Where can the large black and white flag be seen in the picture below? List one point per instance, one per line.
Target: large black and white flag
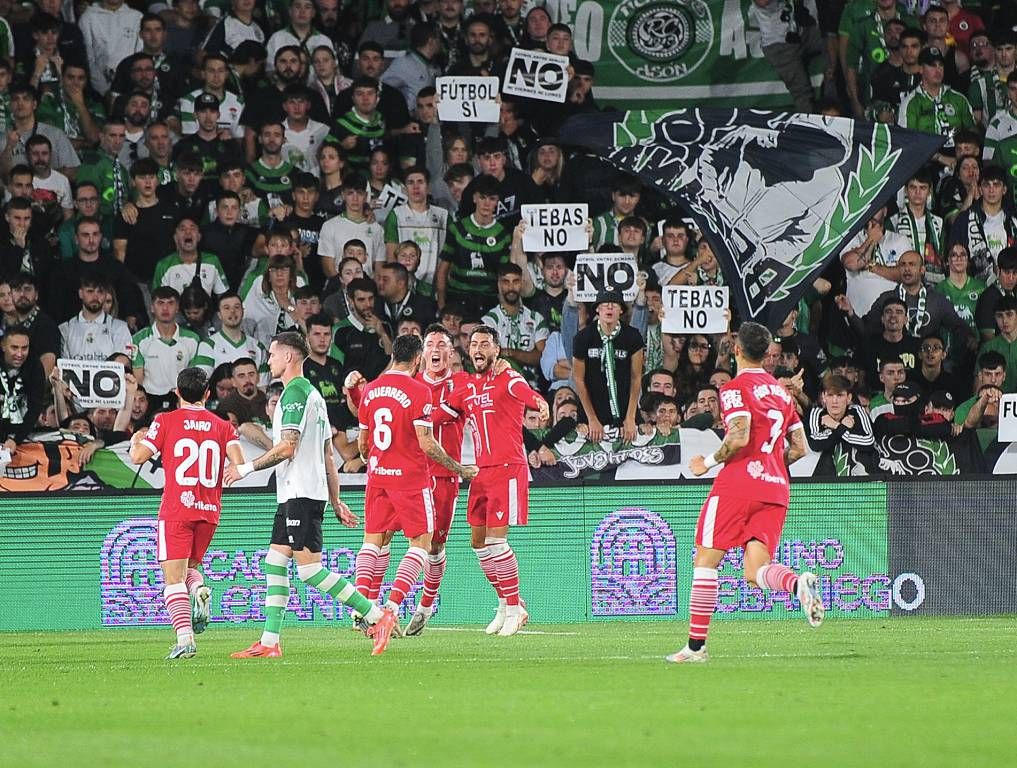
(778, 195)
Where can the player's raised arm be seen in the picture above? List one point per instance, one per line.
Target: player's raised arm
(434, 451)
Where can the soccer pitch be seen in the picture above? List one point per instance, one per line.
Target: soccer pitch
(867, 693)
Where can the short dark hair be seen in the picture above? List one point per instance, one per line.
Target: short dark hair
(626, 185)
(145, 166)
(459, 171)
(422, 33)
(361, 284)
(304, 180)
(147, 17)
(21, 170)
(320, 319)
(485, 330)
(987, 360)
(165, 292)
(18, 329)
(754, 339)
(1007, 259)
(22, 279)
(245, 361)
(38, 139)
(407, 347)
(294, 340)
(365, 81)
(439, 328)
(370, 45)
(992, 172)
(192, 384)
(401, 273)
(418, 169)
(19, 203)
(508, 268)
(486, 185)
(892, 360)
(23, 87)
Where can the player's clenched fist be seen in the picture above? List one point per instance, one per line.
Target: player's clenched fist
(469, 471)
(698, 465)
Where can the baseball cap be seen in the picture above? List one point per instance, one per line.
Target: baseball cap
(942, 399)
(206, 101)
(609, 296)
(906, 391)
(931, 56)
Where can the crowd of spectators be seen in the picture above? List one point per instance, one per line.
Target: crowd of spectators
(182, 182)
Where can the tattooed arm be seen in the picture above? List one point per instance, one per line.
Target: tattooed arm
(432, 448)
(737, 437)
(796, 447)
(278, 453)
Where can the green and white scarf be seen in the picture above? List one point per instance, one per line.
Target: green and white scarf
(607, 364)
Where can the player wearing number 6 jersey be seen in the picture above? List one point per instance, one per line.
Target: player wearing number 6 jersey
(398, 445)
(748, 502)
(194, 444)
(306, 478)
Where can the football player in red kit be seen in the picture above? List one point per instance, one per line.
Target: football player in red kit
(194, 444)
(400, 449)
(494, 404)
(749, 498)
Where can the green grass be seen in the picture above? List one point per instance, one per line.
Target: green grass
(867, 693)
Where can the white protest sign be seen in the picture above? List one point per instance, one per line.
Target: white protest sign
(596, 272)
(537, 75)
(389, 197)
(556, 227)
(468, 99)
(1008, 419)
(695, 309)
(94, 383)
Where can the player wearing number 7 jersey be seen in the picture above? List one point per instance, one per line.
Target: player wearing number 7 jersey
(748, 502)
(194, 444)
(305, 479)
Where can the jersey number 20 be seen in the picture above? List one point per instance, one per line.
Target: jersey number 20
(205, 455)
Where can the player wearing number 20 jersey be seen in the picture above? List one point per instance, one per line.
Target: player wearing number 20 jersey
(748, 502)
(194, 444)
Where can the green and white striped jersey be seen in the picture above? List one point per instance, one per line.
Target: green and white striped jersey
(302, 408)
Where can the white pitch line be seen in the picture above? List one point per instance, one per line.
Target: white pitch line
(520, 632)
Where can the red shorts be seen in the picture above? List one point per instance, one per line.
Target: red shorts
(445, 491)
(392, 509)
(729, 522)
(499, 496)
(184, 539)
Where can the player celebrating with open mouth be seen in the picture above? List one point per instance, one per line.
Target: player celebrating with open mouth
(749, 499)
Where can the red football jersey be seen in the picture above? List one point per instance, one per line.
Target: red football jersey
(391, 408)
(193, 443)
(494, 407)
(758, 470)
(449, 434)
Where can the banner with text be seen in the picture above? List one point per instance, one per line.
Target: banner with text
(684, 52)
(616, 551)
(468, 99)
(695, 309)
(94, 383)
(555, 227)
(596, 272)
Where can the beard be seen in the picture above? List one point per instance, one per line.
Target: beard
(483, 364)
